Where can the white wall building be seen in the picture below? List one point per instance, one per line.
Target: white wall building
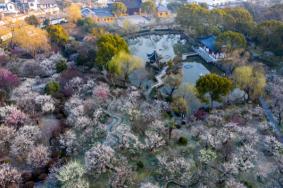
(6, 6)
(216, 2)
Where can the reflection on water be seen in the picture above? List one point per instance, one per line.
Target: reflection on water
(193, 68)
(164, 44)
(192, 71)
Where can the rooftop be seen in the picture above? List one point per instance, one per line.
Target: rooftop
(99, 12)
(162, 8)
(131, 4)
(209, 42)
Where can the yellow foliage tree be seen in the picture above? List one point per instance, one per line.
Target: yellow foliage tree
(32, 39)
(10, 28)
(74, 13)
(123, 64)
(250, 79)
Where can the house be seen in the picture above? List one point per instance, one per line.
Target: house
(100, 15)
(208, 49)
(7, 6)
(162, 11)
(46, 6)
(209, 43)
(100, 3)
(214, 3)
(41, 4)
(133, 6)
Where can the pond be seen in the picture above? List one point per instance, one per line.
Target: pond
(193, 67)
(164, 45)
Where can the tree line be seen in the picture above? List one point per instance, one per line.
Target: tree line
(199, 21)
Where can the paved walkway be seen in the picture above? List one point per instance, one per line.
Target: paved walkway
(159, 79)
(270, 117)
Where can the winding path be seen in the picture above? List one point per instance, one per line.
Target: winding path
(270, 117)
(159, 81)
(116, 120)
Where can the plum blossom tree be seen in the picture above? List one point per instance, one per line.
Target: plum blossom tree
(71, 175)
(272, 146)
(99, 159)
(15, 118)
(21, 146)
(72, 86)
(245, 158)
(8, 80)
(207, 155)
(101, 92)
(38, 157)
(175, 168)
(9, 176)
(30, 132)
(232, 183)
(12, 116)
(123, 138)
(46, 103)
(7, 135)
(69, 142)
(123, 176)
(154, 140)
(148, 185)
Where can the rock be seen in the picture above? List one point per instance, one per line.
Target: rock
(26, 176)
(29, 184)
(42, 176)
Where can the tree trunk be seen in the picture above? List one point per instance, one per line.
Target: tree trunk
(172, 91)
(279, 118)
(211, 102)
(170, 132)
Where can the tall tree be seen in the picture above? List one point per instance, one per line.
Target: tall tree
(250, 79)
(119, 8)
(173, 81)
(12, 27)
(32, 39)
(191, 15)
(214, 86)
(180, 106)
(109, 45)
(123, 64)
(32, 20)
(73, 13)
(148, 7)
(239, 19)
(58, 34)
(230, 40)
(269, 35)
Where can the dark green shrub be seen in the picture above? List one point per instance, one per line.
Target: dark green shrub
(140, 165)
(183, 141)
(52, 87)
(86, 58)
(61, 66)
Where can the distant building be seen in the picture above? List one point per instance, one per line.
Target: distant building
(267, 3)
(208, 50)
(16, 6)
(6, 6)
(209, 43)
(100, 15)
(162, 11)
(133, 6)
(213, 3)
(101, 3)
(42, 4)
